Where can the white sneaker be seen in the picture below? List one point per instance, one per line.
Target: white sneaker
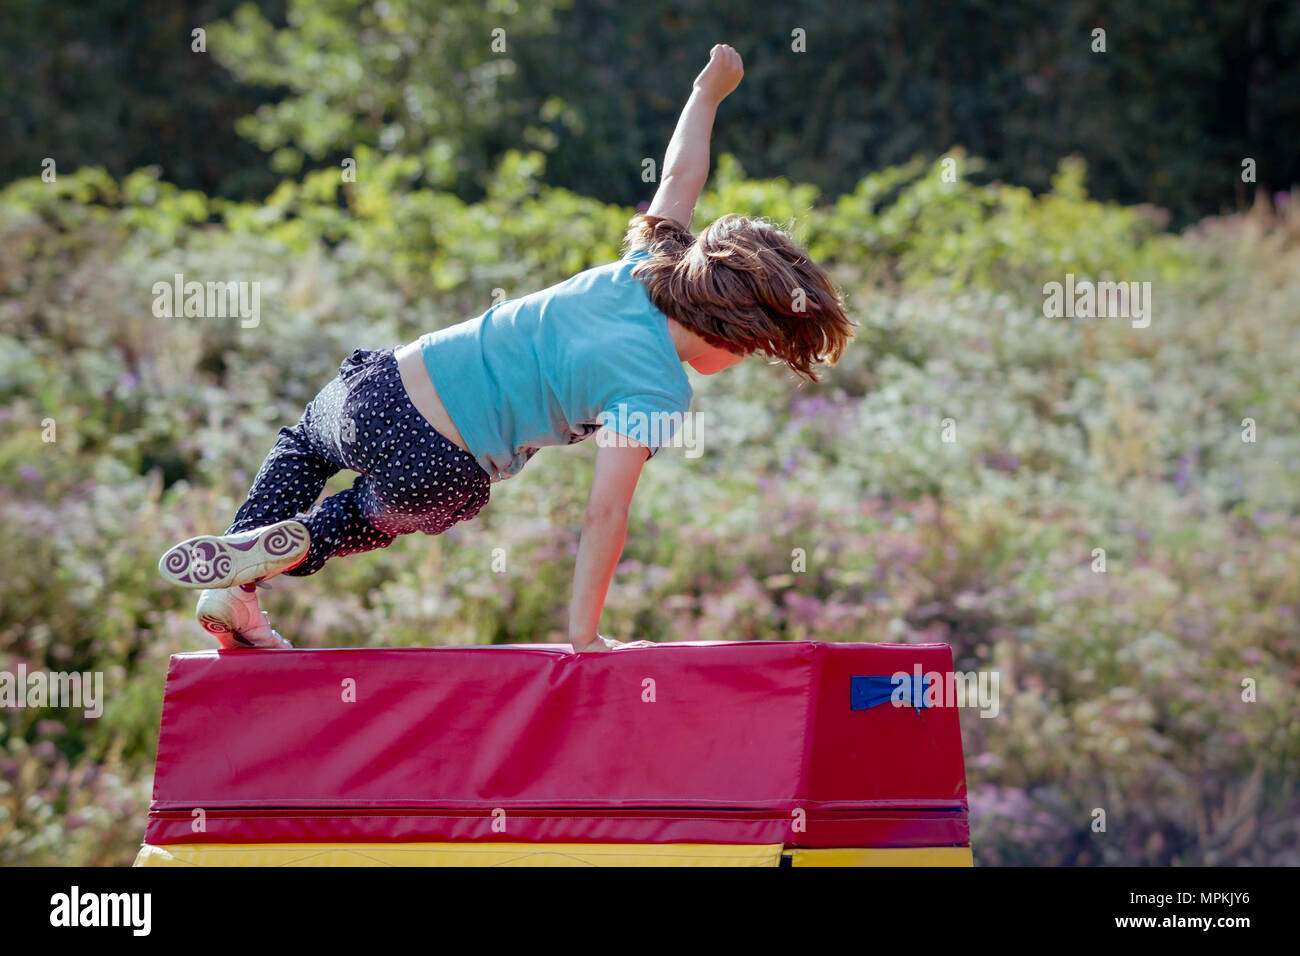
(226, 561)
(233, 617)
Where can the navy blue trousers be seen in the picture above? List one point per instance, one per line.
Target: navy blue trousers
(411, 478)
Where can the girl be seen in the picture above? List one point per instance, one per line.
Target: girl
(431, 425)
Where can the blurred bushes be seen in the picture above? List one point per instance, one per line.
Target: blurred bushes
(1120, 690)
(1183, 93)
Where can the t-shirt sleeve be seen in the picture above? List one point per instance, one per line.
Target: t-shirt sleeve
(647, 418)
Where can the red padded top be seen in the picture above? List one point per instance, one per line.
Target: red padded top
(757, 726)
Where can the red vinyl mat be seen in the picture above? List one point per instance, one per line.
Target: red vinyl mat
(746, 742)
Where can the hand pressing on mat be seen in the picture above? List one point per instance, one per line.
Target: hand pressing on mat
(602, 644)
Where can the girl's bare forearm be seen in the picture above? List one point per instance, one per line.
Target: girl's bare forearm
(599, 548)
(688, 150)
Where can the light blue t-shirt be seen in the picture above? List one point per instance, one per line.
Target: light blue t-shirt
(552, 367)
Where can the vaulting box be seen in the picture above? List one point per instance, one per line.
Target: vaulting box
(763, 746)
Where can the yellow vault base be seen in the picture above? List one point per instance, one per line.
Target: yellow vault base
(536, 854)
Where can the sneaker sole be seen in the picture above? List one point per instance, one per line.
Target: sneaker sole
(212, 561)
(233, 640)
(229, 636)
(222, 631)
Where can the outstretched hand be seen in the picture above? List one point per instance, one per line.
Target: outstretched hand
(723, 73)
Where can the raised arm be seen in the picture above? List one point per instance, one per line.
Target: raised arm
(686, 164)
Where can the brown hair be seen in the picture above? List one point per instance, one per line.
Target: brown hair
(735, 286)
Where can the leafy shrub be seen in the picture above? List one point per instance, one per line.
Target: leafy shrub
(1119, 690)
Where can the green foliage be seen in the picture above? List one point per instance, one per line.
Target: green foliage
(401, 76)
(290, 87)
(117, 84)
(1119, 690)
(912, 223)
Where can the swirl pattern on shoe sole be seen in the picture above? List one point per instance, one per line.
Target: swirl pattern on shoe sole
(176, 561)
(214, 625)
(222, 631)
(284, 539)
(221, 561)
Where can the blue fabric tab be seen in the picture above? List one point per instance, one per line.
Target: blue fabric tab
(873, 690)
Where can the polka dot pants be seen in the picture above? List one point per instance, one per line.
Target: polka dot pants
(411, 478)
